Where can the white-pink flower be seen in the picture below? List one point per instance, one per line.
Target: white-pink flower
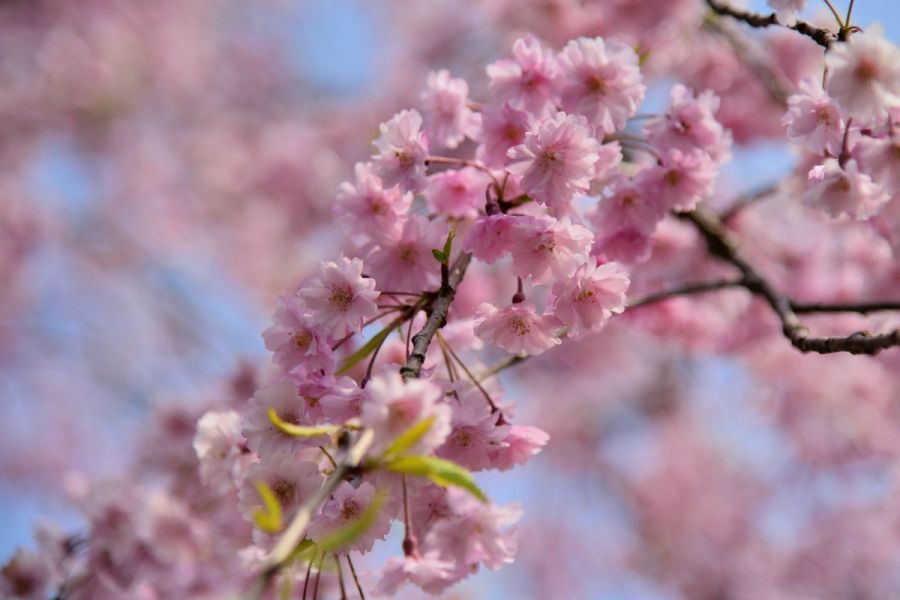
(518, 328)
(340, 299)
(402, 260)
(220, 449)
(366, 206)
(478, 533)
(690, 125)
(393, 406)
(520, 444)
(864, 75)
(403, 149)
(292, 482)
(502, 127)
(345, 506)
(786, 10)
(682, 180)
(295, 341)
(814, 119)
(547, 249)
(263, 437)
(527, 80)
(880, 158)
(429, 572)
(456, 193)
(491, 237)
(601, 80)
(448, 119)
(844, 191)
(557, 161)
(475, 436)
(587, 300)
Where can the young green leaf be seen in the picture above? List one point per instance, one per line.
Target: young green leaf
(268, 516)
(301, 430)
(440, 256)
(351, 531)
(408, 438)
(440, 471)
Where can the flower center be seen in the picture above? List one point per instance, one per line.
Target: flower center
(584, 295)
(408, 254)
(518, 325)
(290, 417)
(596, 85)
(866, 69)
(284, 491)
(302, 339)
(405, 159)
(341, 296)
(463, 437)
(350, 510)
(673, 177)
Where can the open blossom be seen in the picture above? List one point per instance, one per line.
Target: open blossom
(474, 436)
(263, 437)
(402, 261)
(219, 446)
(366, 206)
(880, 158)
(527, 80)
(690, 125)
(682, 180)
(521, 443)
(625, 220)
(478, 533)
(557, 161)
(502, 127)
(601, 80)
(428, 571)
(864, 75)
(491, 237)
(403, 149)
(295, 341)
(814, 119)
(547, 249)
(448, 119)
(844, 191)
(292, 482)
(456, 193)
(786, 10)
(394, 406)
(595, 293)
(340, 298)
(345, 506)
(517, 328)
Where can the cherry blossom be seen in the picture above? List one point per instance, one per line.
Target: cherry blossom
(295, 341)
(403, 149)
(527, 81)
(844, 190)
(517, 328)
(448, 119)
(590, 297)
(813, 119)
(864, 75)
(340, 298)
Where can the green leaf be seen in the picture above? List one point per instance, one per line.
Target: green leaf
(366, 349)
(443, 255)
(354, 529)
(301, 430)
(268, 516)
(408, 438)
(439, 256)
(440, 471)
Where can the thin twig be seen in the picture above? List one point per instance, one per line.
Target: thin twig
(821, 36)
(468, 373)
(685, 290)
(340, 576)
(318, 577)
(362, 595)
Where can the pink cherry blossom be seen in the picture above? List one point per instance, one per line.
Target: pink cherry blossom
(295, 341)
(478, 533)
(220, 449)
(448, 119)
(690, 125)
(527, 80)
(864, 75)
(475, 435)
(502, 128)
(587, 300)
(27, 576)
(522, 442)
(456, 193)
(342, 401)
(366, 205)
(602, 81)
(292, 481)
(402, 260)
(517, 328)
(403, 149)
(263, 437)
(548, 249)
(429, 572)
(557, 161)
(491, 237)
(844, 191)
(394, 406)
(814, 119)
(340, 298)
(346, 505)
(682, 180)
(880, 159)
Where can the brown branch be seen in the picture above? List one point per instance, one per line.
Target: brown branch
(723, 245)
(863, 308)
(685, 290)
(819, 35)
(437, 316)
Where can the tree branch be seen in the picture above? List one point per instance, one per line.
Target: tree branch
(723, 245)
(437, 316)
(821, 36)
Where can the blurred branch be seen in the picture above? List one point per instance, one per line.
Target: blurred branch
(819, 35)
